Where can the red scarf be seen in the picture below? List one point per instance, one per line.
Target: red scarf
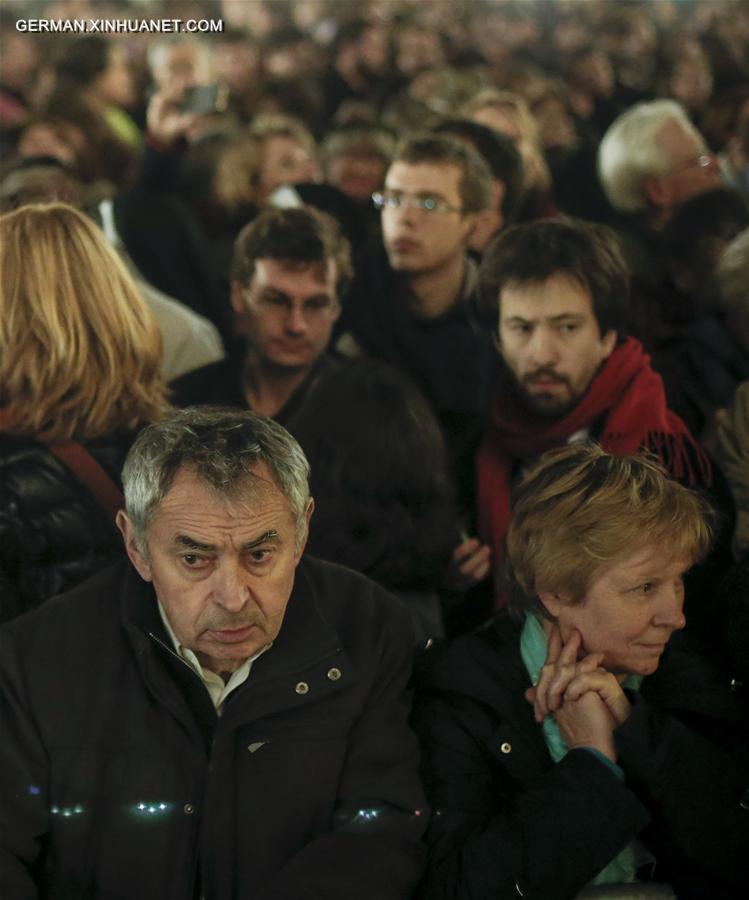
(631, 397)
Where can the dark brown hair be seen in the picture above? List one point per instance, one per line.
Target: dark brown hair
(534, 252)
(299, 235)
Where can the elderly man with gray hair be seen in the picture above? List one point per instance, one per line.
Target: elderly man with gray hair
(217, 717)
(652, 158)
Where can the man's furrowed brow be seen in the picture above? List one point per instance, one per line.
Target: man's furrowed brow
(263, 539)
(184, 540)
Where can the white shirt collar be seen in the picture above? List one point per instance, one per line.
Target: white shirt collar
(214, 684)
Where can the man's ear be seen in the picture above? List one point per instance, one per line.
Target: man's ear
(302, 543)
(471, 221)
(609, 342)
(134, 553)
(658, 192)
(238, 302)
(485, 226)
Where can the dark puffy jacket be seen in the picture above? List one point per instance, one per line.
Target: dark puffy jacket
(119, 782)
(508, 822)
(53, 534)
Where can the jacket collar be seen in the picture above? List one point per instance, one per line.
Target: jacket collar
(307, 642)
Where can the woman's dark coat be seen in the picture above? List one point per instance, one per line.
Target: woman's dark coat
(53, 533)
(508, 822)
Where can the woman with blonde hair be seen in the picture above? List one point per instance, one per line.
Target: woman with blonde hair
(509, 113)
(577, 746)
(79, 374)
(274, 151)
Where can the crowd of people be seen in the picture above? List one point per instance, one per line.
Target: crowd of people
(453, 296)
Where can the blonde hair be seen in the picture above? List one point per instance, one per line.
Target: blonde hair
(237, 178)
(536, 171)
(579, 510)
(271, 125)
(237, 173)
(79, 350)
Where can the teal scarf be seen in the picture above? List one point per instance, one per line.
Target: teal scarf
(533, 647)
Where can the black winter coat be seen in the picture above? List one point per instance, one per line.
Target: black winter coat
(119, 781)
(53, 533)
(508, 822)
(450, 358)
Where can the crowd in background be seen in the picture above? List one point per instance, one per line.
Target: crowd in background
(174, 143)
(335, 214)
(353, 77)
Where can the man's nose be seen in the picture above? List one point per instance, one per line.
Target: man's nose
(542, 348)
(296, 322)
(229, 589)
(405, 213)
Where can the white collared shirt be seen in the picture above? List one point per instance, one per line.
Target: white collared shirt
(214, 683)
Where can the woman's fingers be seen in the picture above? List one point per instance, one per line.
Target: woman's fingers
(571, 648)
(564, 677)
(584, 682)
(557, 672)
(564, 671)
(591, 662)
(606, 686)
(554, 645)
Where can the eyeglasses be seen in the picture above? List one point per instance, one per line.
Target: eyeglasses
(314, 309)
(422, 202)
(703, 161)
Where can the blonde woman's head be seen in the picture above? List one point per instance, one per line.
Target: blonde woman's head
(509, 113)
(79, 350)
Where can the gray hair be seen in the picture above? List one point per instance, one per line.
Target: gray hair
(224, 447)
(733, 281)
(629, 152)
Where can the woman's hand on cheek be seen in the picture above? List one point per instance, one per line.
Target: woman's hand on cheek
(560, 669)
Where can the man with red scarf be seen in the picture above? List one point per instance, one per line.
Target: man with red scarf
(560, 289)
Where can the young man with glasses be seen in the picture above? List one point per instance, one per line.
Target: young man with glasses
(289, 268)
(412, 300)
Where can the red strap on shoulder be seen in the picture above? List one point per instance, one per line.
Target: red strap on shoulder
(88, 471)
